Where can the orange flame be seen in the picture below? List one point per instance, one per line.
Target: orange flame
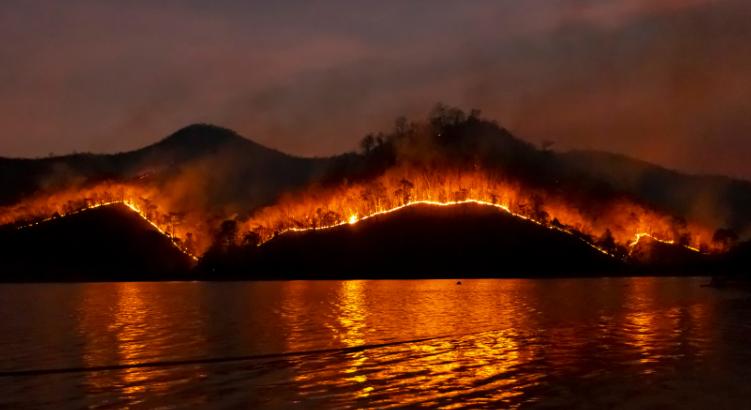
(322, 208)
(190, 229)
(183, 229)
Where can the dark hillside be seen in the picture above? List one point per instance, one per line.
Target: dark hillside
(419, 241)
(102, 244)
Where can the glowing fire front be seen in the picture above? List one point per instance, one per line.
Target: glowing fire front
(612, 226)
(608, 226)
(178, 227)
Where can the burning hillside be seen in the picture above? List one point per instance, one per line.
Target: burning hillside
(141, 199)
(611, 226)
(421, 239)
(109, 242)
(451, 159)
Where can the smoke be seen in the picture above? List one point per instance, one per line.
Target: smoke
(661, 80)
(193, 182)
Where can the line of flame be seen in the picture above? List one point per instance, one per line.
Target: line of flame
(353, 219)
(133, 207)
(639, 236)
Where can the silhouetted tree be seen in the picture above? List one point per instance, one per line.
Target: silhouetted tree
(378, 192)
(679, 229)
(226, 235)
(401, 126)
(189, 243)
(606, 241)
(538, 209)
(174, 219)
(725, 238)
(367, 144)
(404, 192)
(461, 195)
(442, 118)
(329, 218)
(684, 239)
(251, 239)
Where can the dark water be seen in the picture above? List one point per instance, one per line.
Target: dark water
(593, 343)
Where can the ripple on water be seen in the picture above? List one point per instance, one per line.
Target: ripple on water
(632, 342)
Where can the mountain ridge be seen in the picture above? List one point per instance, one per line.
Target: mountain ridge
(219, 188)
(224, 173)
(228, 157)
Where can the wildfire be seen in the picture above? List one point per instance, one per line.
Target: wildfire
(175, 242)
(612, 227)
(139, 199)
(353, 219)
(641, 235)
(608, 227)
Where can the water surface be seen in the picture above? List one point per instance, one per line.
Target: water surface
(597, 343)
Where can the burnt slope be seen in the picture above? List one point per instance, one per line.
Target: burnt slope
(102, 244)
(419, 241)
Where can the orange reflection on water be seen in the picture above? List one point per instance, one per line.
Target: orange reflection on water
(491, 342)
(351, 318)
(640, 318)
(352, 313)
(484, 344)
(659, 333)
(115, 321)
(439, 369)
(293, 313)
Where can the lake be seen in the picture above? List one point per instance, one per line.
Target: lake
(550, 343)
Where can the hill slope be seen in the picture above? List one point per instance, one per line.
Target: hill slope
(102, 244)
(418, 241)
(222, 170)
(203, 178)
(710, 199)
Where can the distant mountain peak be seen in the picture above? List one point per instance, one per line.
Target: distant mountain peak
(201, 134)
(199, 140)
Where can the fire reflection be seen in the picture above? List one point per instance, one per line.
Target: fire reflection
(293, 314)
(494, 343)
(352, 313)
(436, 371)
(116, 322)
(641, 319)
(657, 333)
(381, 344)
(350, 331)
